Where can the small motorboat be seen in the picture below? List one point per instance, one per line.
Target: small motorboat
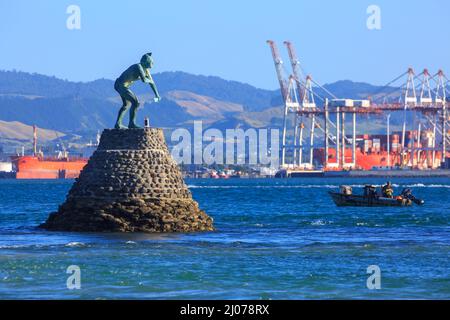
(371, 198)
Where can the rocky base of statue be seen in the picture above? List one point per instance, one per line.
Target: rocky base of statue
(130, 184)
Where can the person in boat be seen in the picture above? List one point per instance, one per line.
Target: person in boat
(387, 190)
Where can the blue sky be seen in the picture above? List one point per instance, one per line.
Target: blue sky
(225, 38)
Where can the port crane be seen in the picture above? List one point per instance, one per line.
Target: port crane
(414, 96)
(299, 100)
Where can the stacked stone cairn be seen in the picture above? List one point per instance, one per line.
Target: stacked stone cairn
(130, 184)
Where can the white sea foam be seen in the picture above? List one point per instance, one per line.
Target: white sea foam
(307, 186)
(318, 222)
(361, 223)
(75, 244)
(326, 186)
(13, 246)
(421, 185)
(24, 246)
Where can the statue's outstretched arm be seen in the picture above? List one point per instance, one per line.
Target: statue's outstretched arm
(155, 90)
(153, 86)
(147, 78)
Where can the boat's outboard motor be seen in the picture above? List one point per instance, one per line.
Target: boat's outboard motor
(347, 190)
(407, 194)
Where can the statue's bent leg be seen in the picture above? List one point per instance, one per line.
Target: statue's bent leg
(133, 111)
(121, 114)
(127, 98)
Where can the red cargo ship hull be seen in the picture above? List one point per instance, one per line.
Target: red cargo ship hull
(32, 167)
(368, 161)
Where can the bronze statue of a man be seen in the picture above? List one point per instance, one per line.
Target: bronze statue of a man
(135, 72)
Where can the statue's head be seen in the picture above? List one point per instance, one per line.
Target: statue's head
(147, 60)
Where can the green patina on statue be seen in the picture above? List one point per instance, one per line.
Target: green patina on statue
(122, 85)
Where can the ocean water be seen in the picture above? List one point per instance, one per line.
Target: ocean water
(275, 239)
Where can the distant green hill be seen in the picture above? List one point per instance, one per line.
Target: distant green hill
(22, 83)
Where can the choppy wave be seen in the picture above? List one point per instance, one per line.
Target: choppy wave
(319, 222)
(13, 246)
(43, 246)
(75, 244)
